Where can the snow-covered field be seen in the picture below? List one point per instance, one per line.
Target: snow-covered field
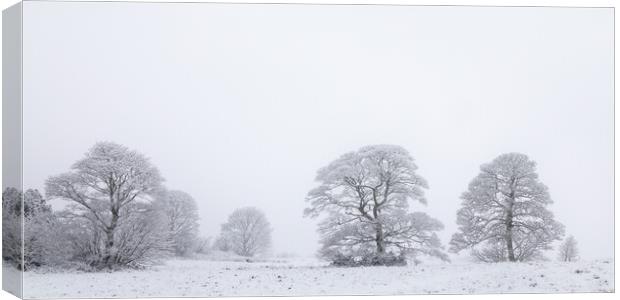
(225, 278)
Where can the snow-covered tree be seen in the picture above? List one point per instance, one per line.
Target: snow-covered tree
(12, 224)
(568, 250)
(104, 187)
(181, 214)
(504, 215)
(33, 203)
(37, 224)
(365, 195)
(247, 232)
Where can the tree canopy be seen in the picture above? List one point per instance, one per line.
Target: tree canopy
(365, 195)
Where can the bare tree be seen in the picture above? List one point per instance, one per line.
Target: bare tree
(366, 195)
(203, 245)
(504, 212)
(181, 217)
(103, 185)
(568, 250)
(222, 243)
(247, 232)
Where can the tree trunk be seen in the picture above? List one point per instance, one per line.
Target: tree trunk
(379, 238)
(509, 226)
(109, 258)
(509, 245)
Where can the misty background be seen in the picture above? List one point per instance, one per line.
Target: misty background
(240, 105)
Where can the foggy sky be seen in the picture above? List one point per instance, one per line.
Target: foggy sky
(240, 105)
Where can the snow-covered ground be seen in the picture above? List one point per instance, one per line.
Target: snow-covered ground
(306, 277)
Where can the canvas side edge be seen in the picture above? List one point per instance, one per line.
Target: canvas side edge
(12, 279)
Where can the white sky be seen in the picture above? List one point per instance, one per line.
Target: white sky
(239, 105)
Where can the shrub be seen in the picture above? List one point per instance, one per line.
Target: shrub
(386, 259)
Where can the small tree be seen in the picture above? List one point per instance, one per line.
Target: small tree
(366, 196)
(203, 245)
(181, 217)
(246, 233)
(504, 212)
(568, 250)
(104, 186)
